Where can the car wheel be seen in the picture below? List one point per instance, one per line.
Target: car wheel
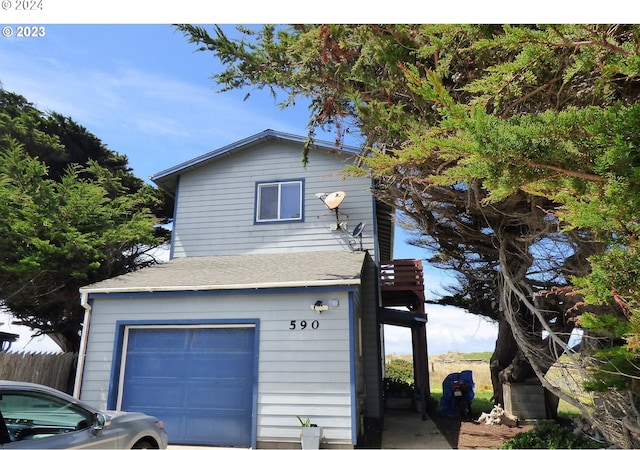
(143, 444)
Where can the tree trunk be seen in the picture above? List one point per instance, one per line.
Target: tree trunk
(69, 341)
(503, 354)
(508, 363)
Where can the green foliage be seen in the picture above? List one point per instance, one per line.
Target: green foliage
(491, 139)
(550, 435)
(618, 369)
(612, 289)
(67, 224)
(399, 379)
(477, 356)
(394, 387)
(400, 369)
(306, 423)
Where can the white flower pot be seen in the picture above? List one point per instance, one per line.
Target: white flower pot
(311, 437)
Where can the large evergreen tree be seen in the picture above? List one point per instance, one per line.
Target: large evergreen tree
(513, 150)
(72, 213)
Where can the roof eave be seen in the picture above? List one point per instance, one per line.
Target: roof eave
(163, 178)
(222, 287)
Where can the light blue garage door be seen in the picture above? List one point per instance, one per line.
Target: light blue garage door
(198, 381)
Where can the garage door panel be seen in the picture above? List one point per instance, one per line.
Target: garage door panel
(158, 339)
(149, 366)
(212, 366)
(218, 398)
(200, 384)
(136, 395)
(226, 339)
(226, 430)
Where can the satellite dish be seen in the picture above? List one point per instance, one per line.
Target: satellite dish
(334, 199)
(357, 231)
(332, 202)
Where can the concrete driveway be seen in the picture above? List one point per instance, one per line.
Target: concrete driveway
(403, 428)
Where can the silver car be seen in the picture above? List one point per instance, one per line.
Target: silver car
(36, 416)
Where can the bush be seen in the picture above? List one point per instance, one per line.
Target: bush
(549, 435)
(400, 369)
(398, 381)
(398, 388)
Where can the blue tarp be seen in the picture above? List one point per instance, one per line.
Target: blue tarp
(448, 402)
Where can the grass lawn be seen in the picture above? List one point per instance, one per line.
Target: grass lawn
(440, 366)
(482, 403)
(567, 411)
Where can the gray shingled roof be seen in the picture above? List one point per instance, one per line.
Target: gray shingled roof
(322, 268)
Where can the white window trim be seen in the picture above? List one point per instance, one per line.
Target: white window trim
(279, 184)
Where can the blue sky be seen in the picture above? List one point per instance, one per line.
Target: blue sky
(147, 95)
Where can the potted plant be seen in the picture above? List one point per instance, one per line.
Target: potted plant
(310, 434)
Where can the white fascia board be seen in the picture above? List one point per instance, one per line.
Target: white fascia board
(220, 287)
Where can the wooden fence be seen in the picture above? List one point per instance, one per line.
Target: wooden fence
(56, 370)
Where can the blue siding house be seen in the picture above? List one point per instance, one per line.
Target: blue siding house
(269, 308)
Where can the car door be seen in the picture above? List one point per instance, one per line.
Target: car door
(36, 420)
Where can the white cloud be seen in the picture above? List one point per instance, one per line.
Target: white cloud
(448, 329)
(141, 106)
(26, 342)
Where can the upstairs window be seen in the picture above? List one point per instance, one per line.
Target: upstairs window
(279, 201)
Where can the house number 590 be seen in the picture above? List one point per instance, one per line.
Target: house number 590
(303, 324)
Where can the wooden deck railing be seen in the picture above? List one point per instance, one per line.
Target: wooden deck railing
(402, 275)
(402, 284)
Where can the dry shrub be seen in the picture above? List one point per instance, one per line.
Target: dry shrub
(442, 365)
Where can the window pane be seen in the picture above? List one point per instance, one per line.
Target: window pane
(290, 201)
(36, 416)
(268, 207)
